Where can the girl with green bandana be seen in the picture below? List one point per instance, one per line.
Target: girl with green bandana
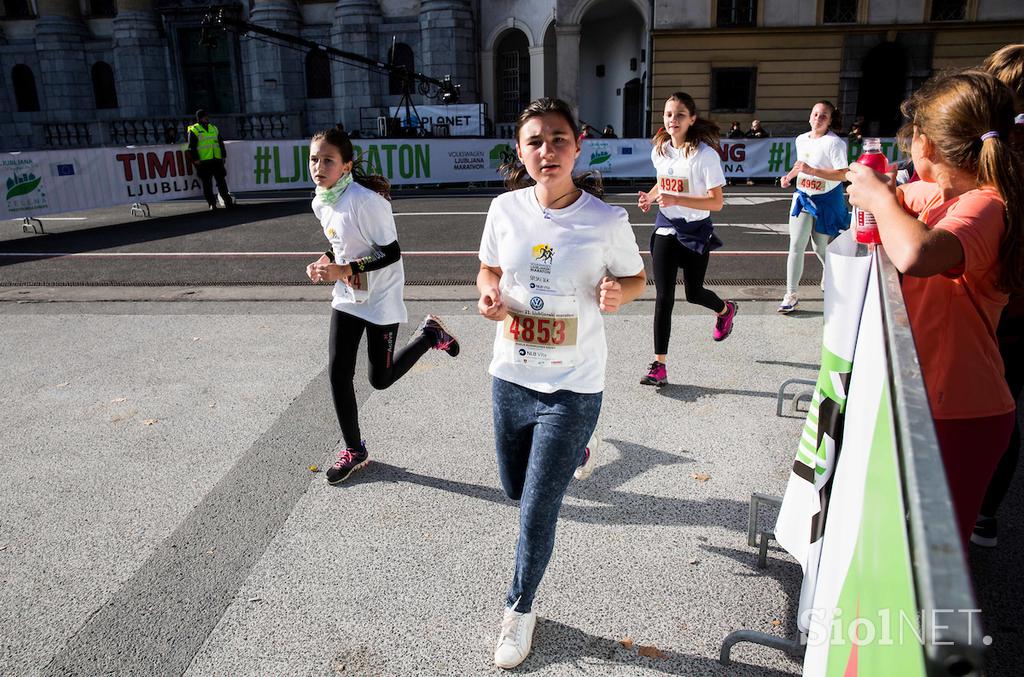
(365, 264)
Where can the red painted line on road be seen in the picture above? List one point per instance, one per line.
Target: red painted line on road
(199, 255)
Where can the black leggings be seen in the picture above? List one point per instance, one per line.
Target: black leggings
(385, 366)
(1011, 345)
(669, 256)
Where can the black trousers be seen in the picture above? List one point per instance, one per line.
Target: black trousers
(207, 171)
(1011, 345)
(385, 368)
(669, 256)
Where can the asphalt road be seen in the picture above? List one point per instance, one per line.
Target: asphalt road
(269, 239)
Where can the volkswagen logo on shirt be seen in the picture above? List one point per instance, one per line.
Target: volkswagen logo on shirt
(536, 303)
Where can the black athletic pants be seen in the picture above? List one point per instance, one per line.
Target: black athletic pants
(208, 170)
(669, 256)
(386, 367)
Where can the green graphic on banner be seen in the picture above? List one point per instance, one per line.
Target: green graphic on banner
(281, 164)
(778, 157)
(24, 192)
(501, 154)
(822, 433)
(877, 609)
(408, 160)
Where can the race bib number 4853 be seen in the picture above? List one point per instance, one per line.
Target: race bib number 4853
(543, 333)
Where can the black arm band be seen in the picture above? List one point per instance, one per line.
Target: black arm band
(330, 255)
(381, 258)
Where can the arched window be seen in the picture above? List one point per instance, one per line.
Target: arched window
(512, 75)
(400, 55)
(103, 89)
(24, 88)
(318, 75)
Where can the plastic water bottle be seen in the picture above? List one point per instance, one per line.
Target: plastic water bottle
(864, 226)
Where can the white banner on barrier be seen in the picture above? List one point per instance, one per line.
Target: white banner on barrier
(464, 119)
(50, 182)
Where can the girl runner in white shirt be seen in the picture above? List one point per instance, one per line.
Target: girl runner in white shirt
(819, 172)
(365, 263)
(689, 188)
(552, 257)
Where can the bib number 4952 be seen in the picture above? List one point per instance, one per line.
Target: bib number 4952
(543, 331)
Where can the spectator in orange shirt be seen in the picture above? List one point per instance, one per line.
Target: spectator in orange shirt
(958, 237)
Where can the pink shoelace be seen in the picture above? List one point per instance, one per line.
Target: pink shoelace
(344, 456)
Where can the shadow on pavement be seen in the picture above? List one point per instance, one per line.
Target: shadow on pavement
(558, 644)
(618, 507)
(691, 393)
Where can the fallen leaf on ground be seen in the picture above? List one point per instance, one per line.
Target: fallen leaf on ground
(694, 561)
(626, 642)
(254, 599)
(118, 400)
(212, 405)
(776, 622)
(194, 339)
(701, 476)
(465, 307)
(150, 421)
(64, 385)
(314, 468)
(651, 652)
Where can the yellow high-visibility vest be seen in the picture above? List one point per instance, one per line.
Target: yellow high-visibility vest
(208, 147)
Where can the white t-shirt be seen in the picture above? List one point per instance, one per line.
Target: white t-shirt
(826, 152)
(550, 271)
(357, 225)
(701, 171)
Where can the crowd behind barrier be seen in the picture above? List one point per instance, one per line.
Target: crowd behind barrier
(50, 182)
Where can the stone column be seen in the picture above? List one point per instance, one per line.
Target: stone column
(536, 72)
(144, 86)
(275, 75)
(487, 84)
(65, 83)
(567, 47)
(447, 44)
(356, 29)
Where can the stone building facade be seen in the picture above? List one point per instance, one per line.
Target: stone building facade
(104, 72)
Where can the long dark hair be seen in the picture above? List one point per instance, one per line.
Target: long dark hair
(514, 170)
(954, 111)
(339, 139)
(703, 130)
(835, 118)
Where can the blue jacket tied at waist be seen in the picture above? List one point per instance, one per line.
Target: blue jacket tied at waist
(828, 209)
(694, 235)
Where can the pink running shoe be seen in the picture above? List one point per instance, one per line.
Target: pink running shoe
(443, 339)
(723, 325)
(657, 375)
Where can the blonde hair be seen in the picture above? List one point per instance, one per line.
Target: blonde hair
(954, 111)
(1007, 64)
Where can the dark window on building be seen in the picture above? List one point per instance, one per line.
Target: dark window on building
(18, 9)
(207, 70)
(839, 12)
(400, 55)
(737, 13)
(103, 88)
(24, 89)
(949, 10)
(103, 8)
(512, 65)
(318, 75)
(732, 89)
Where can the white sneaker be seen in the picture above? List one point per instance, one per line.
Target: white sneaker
(516, 638)
(584, 469)
(789, 303)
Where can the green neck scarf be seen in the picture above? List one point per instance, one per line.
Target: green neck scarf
(331, 195)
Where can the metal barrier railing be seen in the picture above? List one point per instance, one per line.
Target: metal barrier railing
(941, 577)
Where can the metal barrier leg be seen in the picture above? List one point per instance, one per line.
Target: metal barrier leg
(756, 501)
(794, 648)
(782, 391)
(140, 209)
(30, 222)
(762, 549)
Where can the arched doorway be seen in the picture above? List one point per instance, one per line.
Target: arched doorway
(511, 75)
(612, 52)
(882, 89)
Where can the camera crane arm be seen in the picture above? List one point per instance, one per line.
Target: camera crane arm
(446, 89)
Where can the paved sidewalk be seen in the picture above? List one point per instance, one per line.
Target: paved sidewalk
(160, 516)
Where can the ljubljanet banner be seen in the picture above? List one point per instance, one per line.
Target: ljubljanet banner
(466, 119)
(51, 182)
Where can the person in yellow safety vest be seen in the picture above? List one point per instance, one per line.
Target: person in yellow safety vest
(208, 154)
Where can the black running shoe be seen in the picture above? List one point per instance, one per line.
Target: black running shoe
(984, 533)
(349, 461)
(443, 339)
